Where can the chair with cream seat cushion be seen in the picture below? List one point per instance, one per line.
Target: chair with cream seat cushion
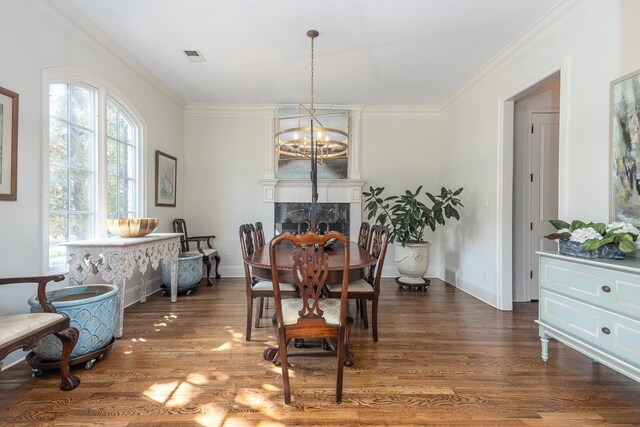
(310, 316)
(256, 289)
(23, 331)
(369, 287)
(208, 252)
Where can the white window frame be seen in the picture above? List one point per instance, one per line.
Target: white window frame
(104, 91)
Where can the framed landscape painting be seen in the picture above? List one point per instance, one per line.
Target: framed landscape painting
(8, 144)
(625, 148)
(166, 177)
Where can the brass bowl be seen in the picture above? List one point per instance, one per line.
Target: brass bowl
(132, 227)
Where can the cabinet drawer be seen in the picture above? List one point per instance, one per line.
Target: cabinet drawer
(586, 322)
(588, 283)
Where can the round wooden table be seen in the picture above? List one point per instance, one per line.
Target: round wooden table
(359, 261)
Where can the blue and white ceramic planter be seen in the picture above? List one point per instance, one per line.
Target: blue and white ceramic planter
(189, 270)
(92, 309)
(608, 251)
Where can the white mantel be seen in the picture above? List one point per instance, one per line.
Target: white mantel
(299, 191)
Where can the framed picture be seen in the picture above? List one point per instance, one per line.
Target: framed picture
(8, 144)
(166, 177)
(625, 148)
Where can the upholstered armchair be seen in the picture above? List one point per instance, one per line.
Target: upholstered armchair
(23, 331)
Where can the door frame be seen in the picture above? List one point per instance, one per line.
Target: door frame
(527, 195)
(504, 202)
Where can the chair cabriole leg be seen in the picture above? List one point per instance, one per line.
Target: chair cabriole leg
(69, 337)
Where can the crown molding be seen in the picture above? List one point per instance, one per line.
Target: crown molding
(260, 110)
(400, 111)
(534, 34)
(77, 21)
(230, 110)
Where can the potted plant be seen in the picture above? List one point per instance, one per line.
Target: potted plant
(407, 218)
(594, 240)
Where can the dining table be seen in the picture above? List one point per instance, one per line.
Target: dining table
(359, 263)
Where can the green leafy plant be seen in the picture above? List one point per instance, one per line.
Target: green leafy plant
(593, 235)
(406, 216)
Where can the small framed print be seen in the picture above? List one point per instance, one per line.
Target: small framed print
(166, 177)
(8, 144)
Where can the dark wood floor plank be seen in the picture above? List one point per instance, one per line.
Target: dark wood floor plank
(443, 359)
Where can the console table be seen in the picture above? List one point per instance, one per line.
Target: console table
(593, 306)
(116, 258)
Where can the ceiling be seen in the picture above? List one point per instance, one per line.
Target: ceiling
(373, 52)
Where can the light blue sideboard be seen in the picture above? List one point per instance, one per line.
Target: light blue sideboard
(593, 306)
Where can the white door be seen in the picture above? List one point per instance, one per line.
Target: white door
(544, 190)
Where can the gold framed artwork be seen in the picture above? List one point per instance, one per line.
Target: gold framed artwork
(8, 144)
(625, 148)
(166, 178)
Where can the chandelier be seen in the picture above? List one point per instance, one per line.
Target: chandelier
(311, 134)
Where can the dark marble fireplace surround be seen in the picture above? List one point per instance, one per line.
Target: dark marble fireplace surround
(289, 215)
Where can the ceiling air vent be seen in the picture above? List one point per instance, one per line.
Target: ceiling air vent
(194, 56)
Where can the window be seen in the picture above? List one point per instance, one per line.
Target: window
(93, 165)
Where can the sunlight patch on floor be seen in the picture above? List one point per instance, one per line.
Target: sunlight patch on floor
(213, 416)
(223, 347)
(270, 387)
(278, 370)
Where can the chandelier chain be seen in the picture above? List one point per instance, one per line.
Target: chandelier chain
(312, 58)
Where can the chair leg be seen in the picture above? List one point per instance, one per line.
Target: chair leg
(207, 262)
(249, 314)
(260, 310)
(69, 337)
(217, 258)
(341, 347)
(284, 365)
(374, 318)
(266, 303)
(363, 313)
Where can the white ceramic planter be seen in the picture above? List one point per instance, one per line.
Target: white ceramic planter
(412, 262)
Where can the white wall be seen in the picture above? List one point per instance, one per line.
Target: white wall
(593, 46)
(226, 153)
(36, 38)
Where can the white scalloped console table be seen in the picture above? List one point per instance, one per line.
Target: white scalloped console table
(116, 258)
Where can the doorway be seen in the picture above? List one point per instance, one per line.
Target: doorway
(536, 118)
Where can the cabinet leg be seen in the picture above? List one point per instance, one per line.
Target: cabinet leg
(544, 340)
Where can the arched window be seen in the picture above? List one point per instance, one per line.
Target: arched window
(94, 165)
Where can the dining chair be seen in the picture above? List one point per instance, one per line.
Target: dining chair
(363, 235)
(369, 287)
(256, 289)
(208, 252)
(309, 315)
(260, 240)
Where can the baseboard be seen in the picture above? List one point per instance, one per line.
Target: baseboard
(153, 286)
(475, 290)
(15, 362)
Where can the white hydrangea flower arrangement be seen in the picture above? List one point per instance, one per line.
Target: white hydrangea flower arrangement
(592, 235)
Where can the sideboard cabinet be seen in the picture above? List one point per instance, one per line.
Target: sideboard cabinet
(593, 306)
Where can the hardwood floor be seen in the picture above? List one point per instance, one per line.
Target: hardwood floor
(443, 358)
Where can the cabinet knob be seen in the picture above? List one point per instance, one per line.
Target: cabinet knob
(606, 330)
(606, 288)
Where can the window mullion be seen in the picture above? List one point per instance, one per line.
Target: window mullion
(100, 219)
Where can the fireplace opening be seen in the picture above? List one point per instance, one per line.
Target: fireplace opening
(288, 216)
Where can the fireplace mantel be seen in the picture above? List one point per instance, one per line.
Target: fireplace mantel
(299, 191)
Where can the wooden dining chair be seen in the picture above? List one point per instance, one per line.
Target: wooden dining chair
(256, 289)
(363, 236)
(310, 316)
(260, 240)
(369, 287)
(208, 252)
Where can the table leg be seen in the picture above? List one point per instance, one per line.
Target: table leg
(143, 288)
(120, 283)
(174, 280)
